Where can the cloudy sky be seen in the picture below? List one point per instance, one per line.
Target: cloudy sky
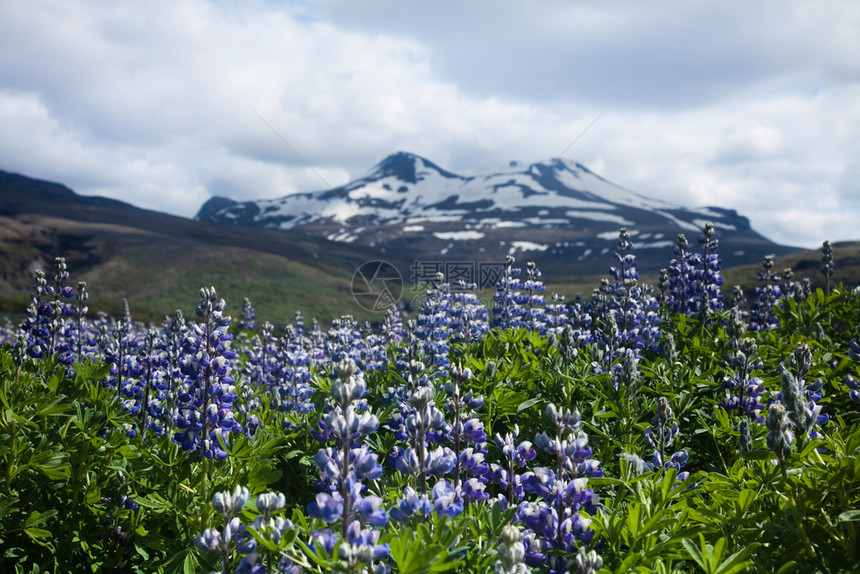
(748, 105)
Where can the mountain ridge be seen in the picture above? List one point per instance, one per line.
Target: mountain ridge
(159, 261)
(559, 213)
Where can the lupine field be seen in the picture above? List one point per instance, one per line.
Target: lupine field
(681, 427)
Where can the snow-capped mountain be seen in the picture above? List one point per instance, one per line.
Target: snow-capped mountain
(557, 213)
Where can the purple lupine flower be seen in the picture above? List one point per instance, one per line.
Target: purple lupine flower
(446, 500)
(660, 439)
(423, 422)
(555, 527)
(468, 317)
(853, 388)
(153, 361)
(247, 318)
(692, 281)
(45, 324)
(293, 375)
(532, 302)
(762, 317)
(518, 455)
(709, 275)
(464, 430)
(827, 267)
(627, 310)
(556, 314)
(779, 437)
(432, 325)
(344, 340)
(344, 467)
(744, 390)
(205, 405)
(412, 504)
(361, 546)
(506, 311)
(326, 507)
(235, 536)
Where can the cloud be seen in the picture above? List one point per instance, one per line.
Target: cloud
(626, 54)
(164, 103)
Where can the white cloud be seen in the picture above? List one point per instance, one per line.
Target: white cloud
(751, 107)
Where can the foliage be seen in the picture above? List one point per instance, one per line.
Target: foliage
(560, 443)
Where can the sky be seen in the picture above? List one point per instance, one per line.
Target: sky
(753, 106)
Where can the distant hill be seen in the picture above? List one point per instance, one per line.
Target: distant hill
(556, 213)
(160, 261)
(846, 257)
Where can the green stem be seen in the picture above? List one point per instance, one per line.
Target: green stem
(77, 481)
(205, 480)
(797, 518)
(10, 458)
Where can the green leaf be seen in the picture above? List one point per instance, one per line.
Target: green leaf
(415, 554)
(524, 405)
(36, 533)
(695, 553)
(37, 518)
(737, 562)
(760, 454)
(745, 499)
(52, 464)
(189, 565)
(850, 516)
(54, 408)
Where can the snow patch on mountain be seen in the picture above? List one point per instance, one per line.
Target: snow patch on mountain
(459, 235)
(526, 246)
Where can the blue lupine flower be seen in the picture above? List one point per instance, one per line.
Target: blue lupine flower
(556, 528)
(853, 386)
(743, 389)
(779, 437)
(506, 311)
(207, 400)
(827, 267)
(344, 467)
(247, 318)
(511, 552)
(230, 504)
(432, 325)
(468, 317)
(410, 505)
(766, 296)
(693, 280)
(327, 507)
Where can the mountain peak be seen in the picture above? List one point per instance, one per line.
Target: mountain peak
(213, 206)
(407, 167)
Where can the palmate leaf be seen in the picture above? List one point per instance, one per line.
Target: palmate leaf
(420, 551)
(710, 558)
(415, 557)
(52, 464)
